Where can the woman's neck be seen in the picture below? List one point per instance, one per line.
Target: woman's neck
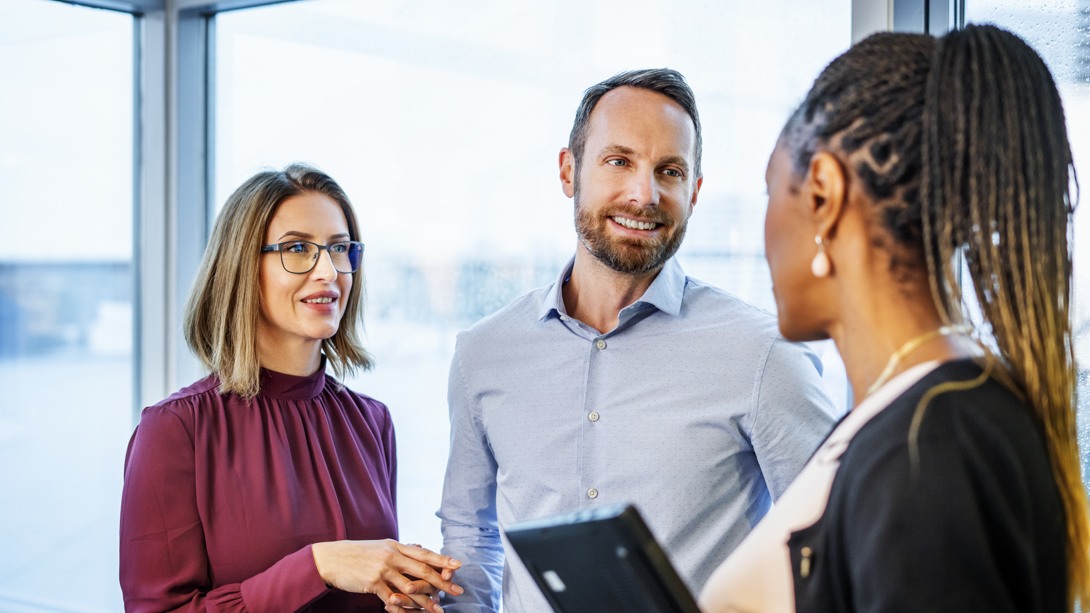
(883, 340)
(299, 359)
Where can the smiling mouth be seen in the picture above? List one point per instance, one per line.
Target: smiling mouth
(324, 300)
(634, 224)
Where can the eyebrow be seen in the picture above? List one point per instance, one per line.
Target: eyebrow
(621, 149)
(677, 160)
(309, 237)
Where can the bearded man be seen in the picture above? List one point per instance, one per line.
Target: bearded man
(625, 380)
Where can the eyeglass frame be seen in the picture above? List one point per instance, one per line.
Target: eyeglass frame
(279, 248)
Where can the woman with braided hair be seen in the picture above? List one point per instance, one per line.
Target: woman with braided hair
(954, 483)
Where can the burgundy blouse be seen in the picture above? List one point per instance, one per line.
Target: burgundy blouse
(223, 496)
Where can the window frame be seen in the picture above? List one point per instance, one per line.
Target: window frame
(174, 133)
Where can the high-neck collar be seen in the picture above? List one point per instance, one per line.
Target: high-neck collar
(291, 386)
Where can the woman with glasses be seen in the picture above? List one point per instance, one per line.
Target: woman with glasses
(268, 485)
(919, 214)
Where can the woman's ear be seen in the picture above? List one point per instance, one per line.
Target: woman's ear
(827, 186)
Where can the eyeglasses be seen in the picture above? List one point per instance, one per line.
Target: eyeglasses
(300, 257)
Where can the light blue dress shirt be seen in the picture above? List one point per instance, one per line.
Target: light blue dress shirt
(694, 408)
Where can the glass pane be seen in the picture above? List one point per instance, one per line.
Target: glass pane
(66, 303)
(1058, 30)
(444, 127)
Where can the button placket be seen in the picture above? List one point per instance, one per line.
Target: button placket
(593, 416)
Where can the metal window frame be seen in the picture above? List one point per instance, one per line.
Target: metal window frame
(172, 176)
(934, 17)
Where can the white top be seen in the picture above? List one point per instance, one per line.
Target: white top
(757, 575)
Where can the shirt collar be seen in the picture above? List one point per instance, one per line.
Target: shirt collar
(290, 386)
(664, 294)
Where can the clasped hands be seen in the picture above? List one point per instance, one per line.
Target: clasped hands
(405, 577)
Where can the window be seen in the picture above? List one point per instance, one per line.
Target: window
(444, 125)
(66, 301)
(1059, 31)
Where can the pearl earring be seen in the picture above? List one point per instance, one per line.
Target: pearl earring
(820, 265)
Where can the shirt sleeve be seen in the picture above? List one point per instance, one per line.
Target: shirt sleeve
(468, 512)
(792, 414)
(163, 557)
(389, 446)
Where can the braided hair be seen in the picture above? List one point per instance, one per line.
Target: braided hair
(867, 105)
(961, 144)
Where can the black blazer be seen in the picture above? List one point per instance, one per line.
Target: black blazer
(975, 525)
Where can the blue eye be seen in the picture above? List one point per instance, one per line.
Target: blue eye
(338, 248)
(617, 162)
(299, 247)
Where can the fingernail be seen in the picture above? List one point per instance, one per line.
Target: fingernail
(457, 589)
(395, 600)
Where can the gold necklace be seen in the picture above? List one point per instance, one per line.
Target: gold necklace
(911, 345)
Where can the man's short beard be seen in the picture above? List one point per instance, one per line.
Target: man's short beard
(630, 257)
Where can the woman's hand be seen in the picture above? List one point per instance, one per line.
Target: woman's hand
(403, 576)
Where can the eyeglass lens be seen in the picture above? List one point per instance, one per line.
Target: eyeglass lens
(301, 257)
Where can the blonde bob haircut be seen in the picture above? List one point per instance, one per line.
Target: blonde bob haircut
(222, 312)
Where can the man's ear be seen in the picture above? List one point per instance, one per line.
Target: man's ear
(827, 188)
(696, 192)
(567, 172)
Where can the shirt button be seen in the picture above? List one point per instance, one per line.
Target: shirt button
(592, 493)
(600, 344)
(593, 416)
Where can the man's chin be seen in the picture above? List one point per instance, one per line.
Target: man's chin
(633, 265)
(627, 254)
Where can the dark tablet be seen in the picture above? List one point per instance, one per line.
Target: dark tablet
(604, 559)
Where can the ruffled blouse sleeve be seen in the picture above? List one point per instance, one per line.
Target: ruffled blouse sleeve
(164, 562)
